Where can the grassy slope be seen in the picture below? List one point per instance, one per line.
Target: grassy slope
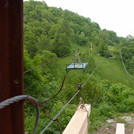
(110, 69)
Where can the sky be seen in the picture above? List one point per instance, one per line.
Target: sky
(115, 15)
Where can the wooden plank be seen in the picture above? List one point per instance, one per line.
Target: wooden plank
(120, 128)
(79, 123)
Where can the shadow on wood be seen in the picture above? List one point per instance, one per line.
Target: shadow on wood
(79, 123)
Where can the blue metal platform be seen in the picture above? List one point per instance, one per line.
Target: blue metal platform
(76, 66)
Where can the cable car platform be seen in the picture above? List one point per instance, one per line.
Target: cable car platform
(76, 66)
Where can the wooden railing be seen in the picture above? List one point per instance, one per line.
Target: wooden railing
(79, 123)
(120, 128)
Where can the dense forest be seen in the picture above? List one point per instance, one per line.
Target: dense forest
(50, 33)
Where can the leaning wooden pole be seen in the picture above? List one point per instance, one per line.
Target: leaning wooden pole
(11, 65)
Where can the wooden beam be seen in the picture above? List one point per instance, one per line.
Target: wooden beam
(79, 123)
(120, 128)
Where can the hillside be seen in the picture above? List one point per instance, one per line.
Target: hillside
(50, 34)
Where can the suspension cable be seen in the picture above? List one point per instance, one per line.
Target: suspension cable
(59, 113)
(31, 85)
(51, 118)
(56, 93)
(12, 100)
(93, 72)
(130, 76)
(45, 63)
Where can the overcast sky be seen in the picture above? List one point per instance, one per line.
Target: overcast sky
(115, 15)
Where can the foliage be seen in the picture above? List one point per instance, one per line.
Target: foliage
(82, 39)
(103, 49)
(54, 29)
(116, 98)
(127, 53)
(51, 32)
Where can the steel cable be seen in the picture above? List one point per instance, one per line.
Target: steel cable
(15, 99)
(59, 113)
(45, 63)
(31, 85)
(130, 77)
(56, 93)
(93, 72)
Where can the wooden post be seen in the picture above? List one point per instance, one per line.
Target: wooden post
(79, 123)
(11, 65)
(91, 46)
(120, 128)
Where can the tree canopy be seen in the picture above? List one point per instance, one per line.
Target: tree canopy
(50, 33)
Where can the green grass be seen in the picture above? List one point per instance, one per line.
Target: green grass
(110, 69)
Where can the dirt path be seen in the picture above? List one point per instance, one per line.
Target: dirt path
(110, 128)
